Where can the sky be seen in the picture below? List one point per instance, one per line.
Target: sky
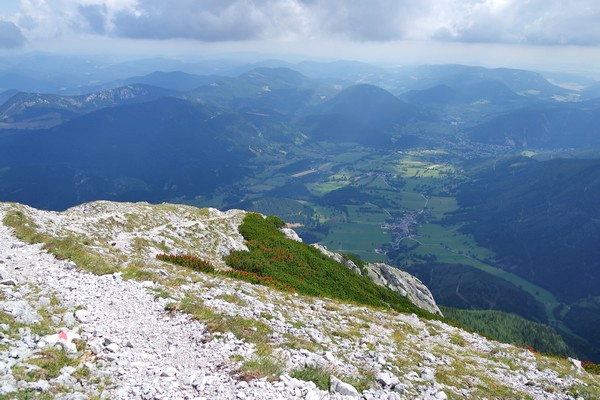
(540, 34)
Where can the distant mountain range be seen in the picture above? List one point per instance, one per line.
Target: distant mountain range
(169, 134)
(554, 125)
(36, 110)
(163, 130)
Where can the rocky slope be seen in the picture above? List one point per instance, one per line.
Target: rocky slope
(145, 329)
(391, 278)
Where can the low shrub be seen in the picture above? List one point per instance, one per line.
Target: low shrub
(591, 367)
(187, 261)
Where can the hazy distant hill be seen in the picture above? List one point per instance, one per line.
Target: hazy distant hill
(362, 113)
(36, 110)
(7, 95)
(525, 83)
(266, 90)
(149, 151)
(174, 80)
(489, 90)
(551, 125)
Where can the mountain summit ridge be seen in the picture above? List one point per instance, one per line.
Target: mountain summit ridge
(133, 332)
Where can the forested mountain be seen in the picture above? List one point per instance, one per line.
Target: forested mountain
(154, 150)
(552, 125)
(542, 221)
(439, 169)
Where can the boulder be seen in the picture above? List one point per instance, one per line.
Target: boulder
(64, 338)
(291, 234)
(342, 388)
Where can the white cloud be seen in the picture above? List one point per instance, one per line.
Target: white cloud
(480, 21)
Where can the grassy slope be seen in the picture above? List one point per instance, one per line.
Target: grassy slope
(306, 270)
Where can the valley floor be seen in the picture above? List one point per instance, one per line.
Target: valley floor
(245, 343)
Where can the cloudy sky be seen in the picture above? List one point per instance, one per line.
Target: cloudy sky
(553, 34)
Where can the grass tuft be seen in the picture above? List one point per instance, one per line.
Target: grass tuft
(262, 367)
(319, 375)
(62, 248)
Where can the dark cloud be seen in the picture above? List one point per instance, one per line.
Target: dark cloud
(503, 21)
(208, 20)
(10, 36)
(214, 20)
(94, 17)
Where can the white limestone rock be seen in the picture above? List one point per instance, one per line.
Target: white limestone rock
(404, 283)
(342, 388)
(291, 234)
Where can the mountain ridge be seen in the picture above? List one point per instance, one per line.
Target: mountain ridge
(391, 354)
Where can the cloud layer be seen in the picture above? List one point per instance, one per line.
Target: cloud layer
(576, 22)
(10, 36)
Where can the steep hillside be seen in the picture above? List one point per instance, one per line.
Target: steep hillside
(151, 329)
(561, 125)
(541, 220)
(151, 151)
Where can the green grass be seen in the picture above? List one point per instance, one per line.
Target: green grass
(319, 375)
(27, 394)
(321, 188)
(262, 367)
(251, 330)
(439, 206)
(358, 238)
(137, 271)
(63, 248)
(49, 362)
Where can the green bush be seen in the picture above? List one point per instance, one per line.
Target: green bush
(275, 260)
(187, 261)
(591, 367)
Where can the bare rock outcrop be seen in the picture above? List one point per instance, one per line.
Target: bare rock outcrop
(403, 283)
(392, 278)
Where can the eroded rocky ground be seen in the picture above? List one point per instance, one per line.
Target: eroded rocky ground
(145, 329)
